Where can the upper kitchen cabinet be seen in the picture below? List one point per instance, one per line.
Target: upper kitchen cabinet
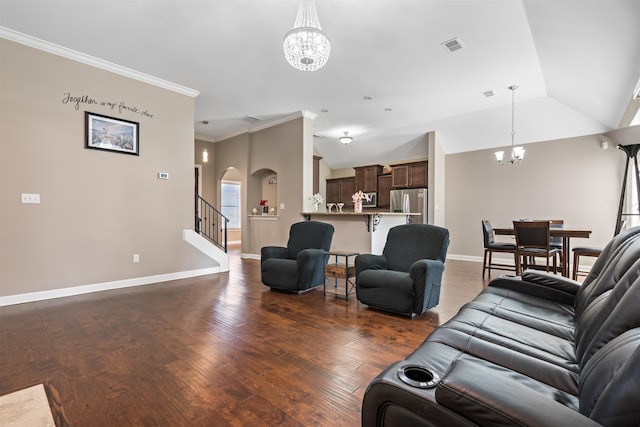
(384, 188)
(367, 178)
(340, 190)
(410, 175)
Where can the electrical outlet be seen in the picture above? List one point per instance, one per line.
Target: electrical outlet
(30, 198)
(281, 206)
(136, 257)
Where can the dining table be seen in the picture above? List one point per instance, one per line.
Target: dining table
(566, 233)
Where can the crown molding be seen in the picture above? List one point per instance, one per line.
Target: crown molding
(308, 115)
(204, 138)
(55, 49)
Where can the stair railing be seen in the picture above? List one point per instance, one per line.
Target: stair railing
(211, 223)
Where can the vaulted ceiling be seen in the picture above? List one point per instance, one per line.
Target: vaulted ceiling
(577, 63)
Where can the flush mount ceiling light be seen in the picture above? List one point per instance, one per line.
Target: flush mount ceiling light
(517, 153)
(306, 46)
(346, 139)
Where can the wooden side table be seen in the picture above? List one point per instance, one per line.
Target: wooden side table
(340, 271)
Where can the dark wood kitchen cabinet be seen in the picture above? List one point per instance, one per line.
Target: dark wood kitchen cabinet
(384, 191)
(367, 178)
(410, 175)
(340, 190)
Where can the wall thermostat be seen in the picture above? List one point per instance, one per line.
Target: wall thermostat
(163, 175)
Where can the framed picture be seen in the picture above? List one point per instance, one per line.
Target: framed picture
(111, 134)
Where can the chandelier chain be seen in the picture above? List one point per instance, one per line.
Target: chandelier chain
(307, 16)
(517, 153)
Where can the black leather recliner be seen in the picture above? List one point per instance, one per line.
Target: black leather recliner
(540, 350)
(406, 278)
(299, 266)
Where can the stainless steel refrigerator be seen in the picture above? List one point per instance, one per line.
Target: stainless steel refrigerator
(412, 200)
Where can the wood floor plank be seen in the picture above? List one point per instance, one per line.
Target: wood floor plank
(218, 350)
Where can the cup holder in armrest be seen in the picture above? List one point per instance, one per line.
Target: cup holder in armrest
(418, 376)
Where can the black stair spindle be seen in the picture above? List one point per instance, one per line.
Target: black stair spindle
(206, 218)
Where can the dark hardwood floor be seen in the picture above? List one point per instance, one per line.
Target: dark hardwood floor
(213, 351)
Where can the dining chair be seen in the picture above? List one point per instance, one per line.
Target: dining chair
(589, 251)
(533, 240)
(581, 251)
(556, 241)
(491, 246)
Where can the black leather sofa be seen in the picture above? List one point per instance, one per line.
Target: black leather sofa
(540, 350)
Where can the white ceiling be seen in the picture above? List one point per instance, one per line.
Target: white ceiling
(576, 62)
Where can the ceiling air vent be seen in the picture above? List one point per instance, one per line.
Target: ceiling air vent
(452, 45)
(488, 93)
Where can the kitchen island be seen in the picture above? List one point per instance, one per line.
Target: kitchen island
(364, 232)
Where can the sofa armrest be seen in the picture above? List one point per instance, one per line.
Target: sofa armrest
(366, 261)
(472, 389)
(553, 280)
(273, 252)
(540, 284)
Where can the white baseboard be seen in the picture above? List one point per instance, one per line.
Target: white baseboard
(106, 286)
(250, 256)
(506, 261)
(464, 258)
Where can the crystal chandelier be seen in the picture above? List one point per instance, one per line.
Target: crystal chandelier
(306, 46)
(517, 153)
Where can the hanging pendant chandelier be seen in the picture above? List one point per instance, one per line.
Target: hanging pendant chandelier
(306, 46)
(517, 153)
(346, 139)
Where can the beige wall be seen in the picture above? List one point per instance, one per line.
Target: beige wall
(208, 191)
(234, 153)
(324, 172)
(571, 179)
(269, 192)
(342, 173)
(97, 208)
(437, 168)
(283, 149)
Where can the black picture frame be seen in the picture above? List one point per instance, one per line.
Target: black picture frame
(111, 134)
